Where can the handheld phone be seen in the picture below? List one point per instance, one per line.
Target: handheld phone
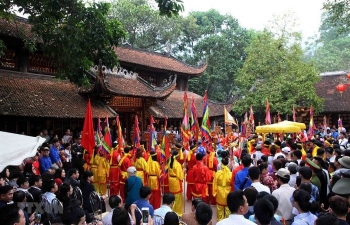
(145, 214)
(37, 218)
(298, 181)
(254, 155)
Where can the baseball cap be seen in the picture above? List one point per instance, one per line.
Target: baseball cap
(131, 169)
(286, 150)
(284, 173)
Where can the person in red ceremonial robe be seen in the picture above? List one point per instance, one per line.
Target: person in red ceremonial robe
(124, 164)
(191, 162)
(212, 163)
(266, 148)
(201, 177)
(114, 170)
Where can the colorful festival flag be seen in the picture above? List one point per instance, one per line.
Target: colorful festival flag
(205, 128)
(107, 137)
(136, 132)
(120, 135)
(244, 125)
(311, 124)
(88, 139)
(185, 127)
(340, 125)
(153, 134)
(294, 115)
(165, 148)
(194, 121)
(228, 118)
(268, 116)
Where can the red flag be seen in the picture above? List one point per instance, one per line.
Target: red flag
(120, 135)
(136, 132)
(107, 137)
(87, 137)
(185, 127)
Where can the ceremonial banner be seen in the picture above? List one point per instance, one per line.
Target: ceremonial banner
(340, 125)
(107, 137)
(194, 121)
(185, 127)
(120, 135)
(165, 148)
(311, 124)
(87, 137)
(228, 118)
(268, 116)
(294, 116)
(153, 134)
(205, 128)
(136, 132)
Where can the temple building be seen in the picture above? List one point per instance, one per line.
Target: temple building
(146, 83)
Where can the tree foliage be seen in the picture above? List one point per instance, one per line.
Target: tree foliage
(218, 40)
(330, 52)
(144, 26)
(339, 14)
(274, 70)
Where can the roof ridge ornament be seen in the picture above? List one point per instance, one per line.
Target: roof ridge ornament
(116, 71)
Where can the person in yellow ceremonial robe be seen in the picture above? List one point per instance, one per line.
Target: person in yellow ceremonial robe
(221, 188)
(176, 176)
(154, 172)
(102, 173)
(94, 164)
(141, 166)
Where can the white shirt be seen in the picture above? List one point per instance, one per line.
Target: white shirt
(69, 155)
(235, 219)
(292, 180)
(283, 195)
(107, 219)
(50, 196)
(162, 210)
(260, 187)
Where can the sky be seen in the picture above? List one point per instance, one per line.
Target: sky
(256, 14)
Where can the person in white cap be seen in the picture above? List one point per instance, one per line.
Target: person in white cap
(286, 151)
(132, 187)
(283, 194)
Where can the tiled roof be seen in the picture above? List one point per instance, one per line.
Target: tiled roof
(173, 105)
(326, 89)
(17, 27)
(155, 60)
(25, 94)
(129, 87)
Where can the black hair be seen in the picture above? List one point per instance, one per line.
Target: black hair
(153, 155)
(224, 161)
(114, 201)
(204, 213)
(320, 151)
(171, 218)
(264, 211)
(199, 156)
(196, 201)
(168, 198)
(48, 186)
(326, 219)
(298, 154)
(273, 150)
(76, 213)
(306, 187)
(72, 171)
(145, 191)
(58, 173)
(264, 158)
(246, 160)
(261, 194)
(250, 193)
(235, 199)
(9, 214)
(302, 163)
(305, 172)
(18, 196)
(173, 153)
(5, 189)
(262, 166)
(20, 181)
(339, 205)
(321, 162)
(87, 174)
(273, 200)
(120, 216)
(277, 163)
(64, 189)
(254, 173)
(302, 197)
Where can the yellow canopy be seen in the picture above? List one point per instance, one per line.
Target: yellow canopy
(301, 125)
(278, 128)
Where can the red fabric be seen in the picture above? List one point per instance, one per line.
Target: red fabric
(155, 199)
(189, 177)
(114, 174)
(201, 176)
(88, 134)
(107, 137)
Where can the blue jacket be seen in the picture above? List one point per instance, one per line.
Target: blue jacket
(132, 189)
(54, 155)
(45, 163)
(240, 177)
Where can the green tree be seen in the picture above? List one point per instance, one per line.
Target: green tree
(274, 70)
(218, 40)
(339, 14)
(145, 28)
(330, 52)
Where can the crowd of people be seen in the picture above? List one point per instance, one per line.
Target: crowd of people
(276, 179)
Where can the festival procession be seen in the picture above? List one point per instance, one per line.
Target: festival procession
(174, 112)
(280, 170)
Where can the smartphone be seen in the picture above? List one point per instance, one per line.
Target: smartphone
(37, 218)
(145, 214)
(254, 155)
(298, 181)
